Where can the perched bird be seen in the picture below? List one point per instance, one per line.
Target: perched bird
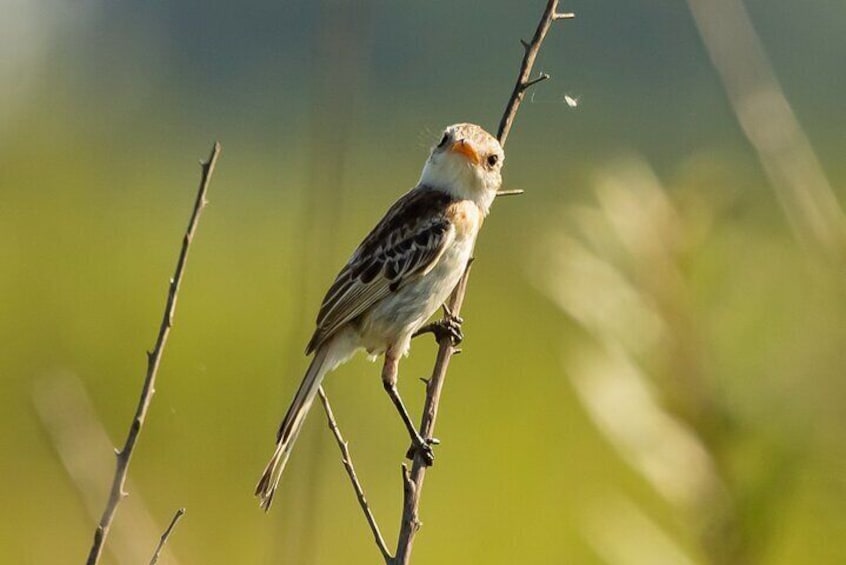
(399, 276)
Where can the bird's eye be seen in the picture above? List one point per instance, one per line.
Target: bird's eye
(444, 140)
(493, 159)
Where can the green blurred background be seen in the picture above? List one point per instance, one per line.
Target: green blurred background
(654, 364)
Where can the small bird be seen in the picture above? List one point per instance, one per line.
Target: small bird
(399, 276)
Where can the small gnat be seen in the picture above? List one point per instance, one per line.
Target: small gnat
(572, 101)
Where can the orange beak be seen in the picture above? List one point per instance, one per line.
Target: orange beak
(463, 148)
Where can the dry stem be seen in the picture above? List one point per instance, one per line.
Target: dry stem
(153, 360)
(413, 479)
(346, 459)
(84, 448)
(523, 82)
(166, 536)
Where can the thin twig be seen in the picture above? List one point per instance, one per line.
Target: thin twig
(66, 412)
(166, 535)
(564, 16)
(523, 83)
(413, 480)
(513, 192)
(153, 360)
(530, 83)
(346, 459)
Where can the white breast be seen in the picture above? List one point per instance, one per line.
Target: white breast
(393, 320)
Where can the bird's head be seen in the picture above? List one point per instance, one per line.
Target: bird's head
(466, 162)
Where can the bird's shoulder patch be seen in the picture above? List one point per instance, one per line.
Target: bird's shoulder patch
(465, 216)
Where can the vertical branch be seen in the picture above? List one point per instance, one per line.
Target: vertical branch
(413, 479)
(153, 360)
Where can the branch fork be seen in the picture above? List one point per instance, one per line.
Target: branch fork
(413, 476)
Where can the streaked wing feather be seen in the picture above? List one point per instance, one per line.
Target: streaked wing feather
(407, 243)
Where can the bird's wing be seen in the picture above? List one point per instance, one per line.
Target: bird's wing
(406, 243)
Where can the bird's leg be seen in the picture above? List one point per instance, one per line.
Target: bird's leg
(448, 326)
(389, 380)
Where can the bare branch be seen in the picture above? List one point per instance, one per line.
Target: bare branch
(531, 53)
(166, 536)
(413, 479)
(154, 357)
(84, 448)
(346, 459)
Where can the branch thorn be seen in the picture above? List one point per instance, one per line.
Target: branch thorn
(530, 83)
(513, 192)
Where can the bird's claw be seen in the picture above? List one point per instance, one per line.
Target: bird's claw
(451, 327)
(448, 327)
(424, 448)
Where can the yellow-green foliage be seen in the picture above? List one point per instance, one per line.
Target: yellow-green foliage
(653, 366)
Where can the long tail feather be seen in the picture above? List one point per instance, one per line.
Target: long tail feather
(291, 426)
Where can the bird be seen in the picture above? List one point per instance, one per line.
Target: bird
(399, 276)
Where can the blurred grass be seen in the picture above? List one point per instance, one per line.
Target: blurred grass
(97, 173)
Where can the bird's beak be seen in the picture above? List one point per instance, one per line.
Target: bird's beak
(464, 148)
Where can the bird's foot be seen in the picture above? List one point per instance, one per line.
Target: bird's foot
(447, 327)
(424, 448)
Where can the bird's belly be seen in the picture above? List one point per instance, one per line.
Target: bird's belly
(394, 318)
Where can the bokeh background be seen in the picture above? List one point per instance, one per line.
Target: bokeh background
(654, 363)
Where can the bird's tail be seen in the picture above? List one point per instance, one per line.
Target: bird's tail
(292, 424)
